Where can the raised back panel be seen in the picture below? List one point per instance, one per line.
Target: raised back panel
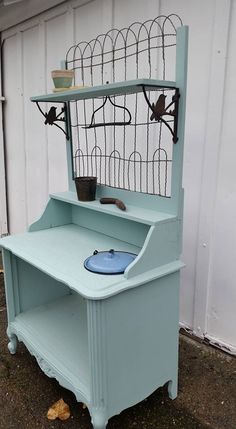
(131, 232)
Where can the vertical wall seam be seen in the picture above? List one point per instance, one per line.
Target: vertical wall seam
(212, 236)
(43, 30)
(22, 96)
(197, 244)
(213, 134)
(4, 222)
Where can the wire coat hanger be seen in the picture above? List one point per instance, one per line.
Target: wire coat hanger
(105, 124)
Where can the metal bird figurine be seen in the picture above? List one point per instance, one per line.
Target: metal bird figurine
(158, 109)
(51, 116)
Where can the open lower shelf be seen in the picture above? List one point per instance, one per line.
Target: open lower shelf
(135, 213)
(118, 88)
(56, 334)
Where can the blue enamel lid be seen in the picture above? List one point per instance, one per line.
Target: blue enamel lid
(109, 262)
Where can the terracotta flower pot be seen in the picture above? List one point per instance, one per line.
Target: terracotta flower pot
(62, 78)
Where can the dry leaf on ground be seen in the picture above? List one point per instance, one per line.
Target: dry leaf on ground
(59, 410)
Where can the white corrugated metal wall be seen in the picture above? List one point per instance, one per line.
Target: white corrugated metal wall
(36, 154)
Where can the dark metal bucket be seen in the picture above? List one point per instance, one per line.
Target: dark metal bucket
(86, 188)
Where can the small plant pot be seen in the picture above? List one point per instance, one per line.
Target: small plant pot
(86, 188)
(62, 78)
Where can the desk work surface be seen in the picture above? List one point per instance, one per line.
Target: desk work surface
(60, 252)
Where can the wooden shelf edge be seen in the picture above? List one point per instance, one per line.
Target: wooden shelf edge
(119, 88)
(134, 213)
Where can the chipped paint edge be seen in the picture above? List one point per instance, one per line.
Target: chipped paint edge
(208, 340)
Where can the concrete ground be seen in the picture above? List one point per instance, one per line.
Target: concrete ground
(206, 399)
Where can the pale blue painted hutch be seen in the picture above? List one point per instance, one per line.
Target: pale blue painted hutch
(110, 339)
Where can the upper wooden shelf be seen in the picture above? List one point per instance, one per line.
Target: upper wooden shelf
(118, 88)
(134, 213)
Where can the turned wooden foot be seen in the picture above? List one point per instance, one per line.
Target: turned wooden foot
(12, 345)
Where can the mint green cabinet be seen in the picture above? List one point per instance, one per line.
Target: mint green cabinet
(111, 340)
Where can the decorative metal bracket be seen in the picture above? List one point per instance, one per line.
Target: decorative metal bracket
(51, 117)
(102, 124)
(159, 109)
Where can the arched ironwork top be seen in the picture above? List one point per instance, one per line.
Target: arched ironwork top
(137, 156)
(101, 59)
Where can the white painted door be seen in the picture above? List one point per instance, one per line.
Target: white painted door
(36, 155)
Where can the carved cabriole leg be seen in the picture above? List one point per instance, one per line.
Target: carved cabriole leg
(98, 359)
(99, 420)
(12, 295)
(173, 389)
(12, 345)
